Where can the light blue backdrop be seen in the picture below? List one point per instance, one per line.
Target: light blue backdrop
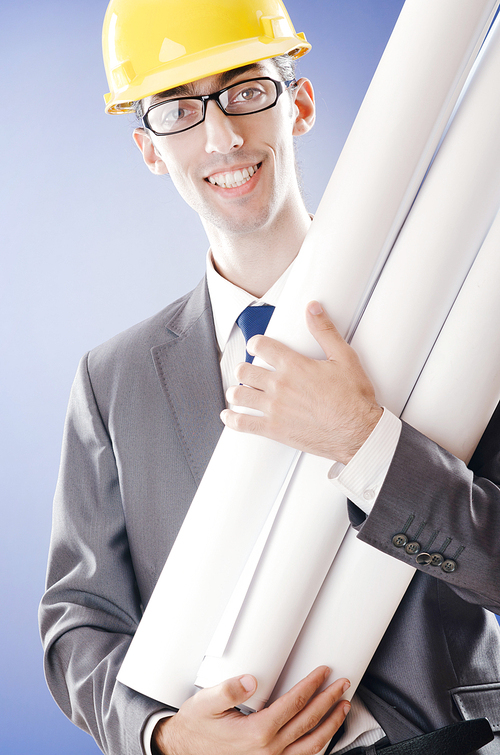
(92, 243)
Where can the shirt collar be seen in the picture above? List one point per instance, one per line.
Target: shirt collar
(229, 301)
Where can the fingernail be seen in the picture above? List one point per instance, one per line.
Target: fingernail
(248, 682)
(346, 708)
(346, 686)
(315, 308)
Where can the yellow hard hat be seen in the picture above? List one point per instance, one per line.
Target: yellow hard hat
(153, 45)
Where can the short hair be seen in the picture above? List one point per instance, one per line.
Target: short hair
(285, 65)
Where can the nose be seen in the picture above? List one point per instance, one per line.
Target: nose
(220, 131)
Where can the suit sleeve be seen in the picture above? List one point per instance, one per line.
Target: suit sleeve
(444, 510)
(91, 606)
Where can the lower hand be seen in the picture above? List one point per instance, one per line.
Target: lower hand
(209, 723)
(324, 407)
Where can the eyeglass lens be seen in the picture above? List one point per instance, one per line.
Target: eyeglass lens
(241, 98)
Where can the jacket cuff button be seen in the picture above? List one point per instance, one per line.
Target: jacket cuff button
(436, 559)
(412, 548)
(449, 565)
(399, 540)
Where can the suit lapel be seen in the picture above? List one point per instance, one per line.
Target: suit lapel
(188, 369)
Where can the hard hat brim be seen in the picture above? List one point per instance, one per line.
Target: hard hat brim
(202, 64)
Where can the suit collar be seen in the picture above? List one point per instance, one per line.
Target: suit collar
(229, 300)
(185, 313)
(188, 369)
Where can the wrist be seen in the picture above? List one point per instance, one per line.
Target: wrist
(361, 434)
(158, 738)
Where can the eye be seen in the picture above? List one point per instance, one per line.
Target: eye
(248, 94)
(175, 115)
(177, 111)
(247, 97)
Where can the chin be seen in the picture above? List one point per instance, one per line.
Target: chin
(241, 225)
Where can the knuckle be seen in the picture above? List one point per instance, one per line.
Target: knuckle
(228, 693)
(256, 341)
(279, 384)
(326, 326)
(314, 744)
(239, 370)
(309, 723)
(259, 740)
(312, 721)
(300, 703)
(314, 747)
(240, 421)
(236, 394)
(253, 425)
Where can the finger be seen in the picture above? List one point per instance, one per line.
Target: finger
(316, 740)
(243, 423)
(273, 352)
(251, 374)
(315, 711)
(242, 395)
(323, 330)
(295, 700)
(226, 695)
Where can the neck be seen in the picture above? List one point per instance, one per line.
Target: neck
(254, 261)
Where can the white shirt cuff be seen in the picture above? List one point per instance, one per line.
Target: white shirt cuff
(362, 478)
(149, 728)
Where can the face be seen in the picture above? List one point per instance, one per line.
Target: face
(238, 173)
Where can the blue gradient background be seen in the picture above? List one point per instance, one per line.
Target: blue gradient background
(92, 243)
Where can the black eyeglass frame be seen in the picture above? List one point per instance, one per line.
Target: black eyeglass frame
(281, 86)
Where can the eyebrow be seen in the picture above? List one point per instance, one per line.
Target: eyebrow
(223, 79)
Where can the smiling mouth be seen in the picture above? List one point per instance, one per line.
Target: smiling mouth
(234, 178)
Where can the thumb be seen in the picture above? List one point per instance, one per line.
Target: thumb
(323, 329)
(228, 694)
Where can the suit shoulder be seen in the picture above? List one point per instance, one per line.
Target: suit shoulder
(133, 343)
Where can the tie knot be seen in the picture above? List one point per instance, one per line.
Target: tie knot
(254, 320)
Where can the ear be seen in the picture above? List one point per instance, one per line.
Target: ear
(305, 109)
(151, 157)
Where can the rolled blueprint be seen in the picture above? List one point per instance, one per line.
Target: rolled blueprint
(350, 615)
(369, 195)
(464, 365)
(430, 261)
(308, 529)
(439, 241)
(451, 404)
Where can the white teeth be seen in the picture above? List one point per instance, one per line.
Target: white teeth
(230, 180)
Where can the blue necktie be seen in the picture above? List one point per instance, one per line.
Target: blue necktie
(254, 320)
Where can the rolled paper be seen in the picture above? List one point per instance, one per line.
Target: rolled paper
(459, 387)
(349, 616)
(417, 288)
(306, 534)
(439, 241)
(399, 125)
(369, 195)
(452, 402)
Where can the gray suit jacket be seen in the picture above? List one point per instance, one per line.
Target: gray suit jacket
(142, 423)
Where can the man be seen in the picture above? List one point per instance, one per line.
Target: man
(144, 419)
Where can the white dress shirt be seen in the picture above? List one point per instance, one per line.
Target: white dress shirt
(361, 479)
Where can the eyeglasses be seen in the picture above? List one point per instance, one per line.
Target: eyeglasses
(182, 113)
